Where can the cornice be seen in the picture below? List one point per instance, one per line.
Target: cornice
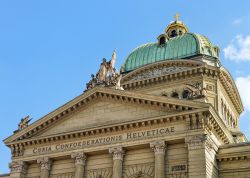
(197, 68)
(240, 156)
(106, 93)
(177, 63)
(205, 115)
(204, 70)
(231, 89)
(110, 128)
(19, 146)
(219, 127)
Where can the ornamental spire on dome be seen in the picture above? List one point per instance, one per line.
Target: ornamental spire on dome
(176, 28)
(176, 17)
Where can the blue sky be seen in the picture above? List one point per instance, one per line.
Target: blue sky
(48, 49)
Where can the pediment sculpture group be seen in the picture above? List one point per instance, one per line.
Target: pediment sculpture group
(106, 76)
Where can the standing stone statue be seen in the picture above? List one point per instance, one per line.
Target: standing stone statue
(106, 76)
(102, 74)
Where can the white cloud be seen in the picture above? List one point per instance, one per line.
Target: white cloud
(243, 84)
(238, 49)
(237, 21)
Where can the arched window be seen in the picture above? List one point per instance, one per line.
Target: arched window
(186, 94)
(225, 112)
(175, 95)
(162, 40)
(222, 108)
(173, 33)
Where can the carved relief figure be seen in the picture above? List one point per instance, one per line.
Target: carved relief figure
(196, 91)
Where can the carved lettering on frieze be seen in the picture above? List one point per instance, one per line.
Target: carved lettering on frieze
(158, 72)
(90, 142)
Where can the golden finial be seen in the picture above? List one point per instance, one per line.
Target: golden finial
(176, 17)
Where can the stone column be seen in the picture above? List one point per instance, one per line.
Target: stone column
(118, 154)
(45, 164)
(80, 162)
(159, 148)
(18, 169)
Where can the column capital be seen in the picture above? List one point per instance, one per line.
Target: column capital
(18, 167)
(80, 158)
(200, 141)
(159, 147)
(117, 153)
(44, 162)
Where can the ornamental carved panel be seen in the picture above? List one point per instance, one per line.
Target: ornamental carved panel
(139, 171)
(156, 72)
(178, 171)
(64, 175)
(100, 173)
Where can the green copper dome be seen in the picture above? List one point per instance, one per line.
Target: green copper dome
(179, 47)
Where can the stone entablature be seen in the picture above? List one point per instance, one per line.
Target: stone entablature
(234, 152)
(192, 120)
(184, 69)
(18, 167)
(130, 136)
(234, 160)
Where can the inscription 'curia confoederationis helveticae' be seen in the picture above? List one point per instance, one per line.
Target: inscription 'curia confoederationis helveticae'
(104, 140)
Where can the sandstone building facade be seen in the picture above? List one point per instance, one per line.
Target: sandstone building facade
(172, 112)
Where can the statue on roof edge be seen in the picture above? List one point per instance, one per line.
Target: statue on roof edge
(106, 76)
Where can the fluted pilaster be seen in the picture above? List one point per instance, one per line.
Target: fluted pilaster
(80, 162)
(18, 169)
(45, 165)
(118, 154)
(159, 148)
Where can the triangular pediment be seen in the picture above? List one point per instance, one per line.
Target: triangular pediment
(101, 107)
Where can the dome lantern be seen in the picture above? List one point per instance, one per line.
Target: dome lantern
(176, 28)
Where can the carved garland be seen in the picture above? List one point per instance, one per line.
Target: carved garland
(191, 72)
(163, 68)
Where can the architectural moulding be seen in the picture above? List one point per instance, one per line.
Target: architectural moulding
(18, 167)
(79, 157)
(45, 163)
